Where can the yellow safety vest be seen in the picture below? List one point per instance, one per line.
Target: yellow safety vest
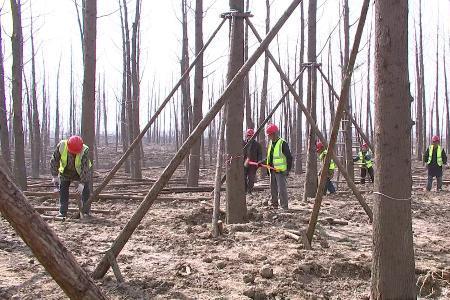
(367, 163)
(63, 150)
(322, 158)
(438, 154)
(279, 159)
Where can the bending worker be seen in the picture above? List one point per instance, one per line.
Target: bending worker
(70, 163)
(329, 186)
(365, 158)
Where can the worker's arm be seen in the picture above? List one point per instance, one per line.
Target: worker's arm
(356, 158)
(54, 162)
(444, 157)
(425, 156)
(85, 168)
(287, 153)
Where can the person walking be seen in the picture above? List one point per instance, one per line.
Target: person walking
(435, 158)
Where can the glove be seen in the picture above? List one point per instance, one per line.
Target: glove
(55, 180)
(80, 189)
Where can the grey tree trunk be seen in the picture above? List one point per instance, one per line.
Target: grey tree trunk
(369, 124)
(393, 252)
(36, 142)
(185, 87)
(447, 108)
(422, 78)
(236, 201)
(311, 159)
(20, 172)
(299, 124)
(194, 160)
(4, 131)
(419, 106)
(436, 93)
(57, 125)
(248, 105)
(105, 115)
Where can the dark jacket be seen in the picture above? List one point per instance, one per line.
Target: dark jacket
(70, 173)
(253, 151)
(433, 168)
(286, 151)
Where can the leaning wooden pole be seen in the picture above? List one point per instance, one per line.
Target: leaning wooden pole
(44, 243)
(139, 214)
(337, 121)
(316, 129)
(138, 139)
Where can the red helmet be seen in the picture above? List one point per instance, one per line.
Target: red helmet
(365, 146)
(75, 144)
(319, 146)
(271, 128)
(435, 138)
(250, 132)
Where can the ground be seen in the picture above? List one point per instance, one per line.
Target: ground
(173, 256)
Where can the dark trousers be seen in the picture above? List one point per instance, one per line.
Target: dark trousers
(430, 182)
(250, 175)
(364, 172)
(329, 186)
(64, 197)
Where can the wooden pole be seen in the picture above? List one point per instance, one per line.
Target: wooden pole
(138, 139)
(44, 243)
(129, 228)
(316, 129)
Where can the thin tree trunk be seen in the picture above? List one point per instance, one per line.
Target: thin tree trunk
(218, 177)
(4, 131)
(185, 87)
(57, 125)
(369, 124)
(263, 105)
(248, 105)
(36, 142)
(447, 108)
(299, 127)
(393, 252)
(105, 115)
(422, 79)
(438, 131)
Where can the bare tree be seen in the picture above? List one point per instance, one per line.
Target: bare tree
(393, 253)
(422, 79)
(57, 125)
(436, 91)
(194, 159)
(105, 115)
(185, 87)
(4, 132)
(299, 124)
(447, 108)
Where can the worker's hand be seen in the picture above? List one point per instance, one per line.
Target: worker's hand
(55, 180)
(80, 189)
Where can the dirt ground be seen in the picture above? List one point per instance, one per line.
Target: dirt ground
(173, 256)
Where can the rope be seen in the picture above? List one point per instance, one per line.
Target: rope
(393, 198)
(229, 158)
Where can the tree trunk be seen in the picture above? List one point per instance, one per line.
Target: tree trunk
(4, 132)
(447, 108)
(36, 142)
(105, 116)
(248, 105)
(185, 87)
(194, 160)
(236, 201)
(299, 125)
(88, 108)
(57, 125)
(369, 124)
(20, 172)
(218, 177)
(311, 160)
(422, 80)
(438, 132)
(393, 253)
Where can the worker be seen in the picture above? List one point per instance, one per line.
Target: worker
(279, 162)
(366, 161)
(253, 153)
(435, 157)
(70, 163)
(329, 186)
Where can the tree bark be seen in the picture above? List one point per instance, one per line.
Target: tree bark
(447, 108)
(4, 131)
(36, 141)
(20, 172)
(311, 159)
(185, 87)
(393, 253)
(248, 105)
(422, 79)
(57, 125)
(299, 124)
(436, 93)
(194, 159)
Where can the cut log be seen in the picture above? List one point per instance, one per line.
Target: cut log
(53, 208)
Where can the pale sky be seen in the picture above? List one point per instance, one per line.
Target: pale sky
(56, 32)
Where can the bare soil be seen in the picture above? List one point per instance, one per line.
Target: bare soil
(173, 256)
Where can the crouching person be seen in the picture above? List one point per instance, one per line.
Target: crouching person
(70, 163)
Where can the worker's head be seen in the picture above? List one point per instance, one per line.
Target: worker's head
(364, 147)
(319, 147)
(272, 131)
(249, 133)
(435, 139)
(75, 144)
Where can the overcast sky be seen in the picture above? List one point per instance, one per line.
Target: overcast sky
(57, 34)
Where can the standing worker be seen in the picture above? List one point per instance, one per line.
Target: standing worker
(279, 160)
(435, 157)
(329, 186)
(253, 152)
(365, 158)
(70, 163)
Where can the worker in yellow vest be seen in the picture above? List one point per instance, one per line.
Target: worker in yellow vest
(279, 162)
(435, 158)
(70, 163)
(329, 186)
(365, 158)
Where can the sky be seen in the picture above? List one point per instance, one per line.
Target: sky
(57, 38)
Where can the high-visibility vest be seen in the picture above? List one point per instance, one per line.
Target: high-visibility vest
(322, 158)
(367, 163)
(279, 160)
(63, 150)
(438, 154)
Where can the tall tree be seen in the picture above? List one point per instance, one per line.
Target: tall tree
(194, 160)
(311, 160)
(447, 108)
(36, 141)
(105, 115)
(248, 105)
(90, 50)
(369, 123)
(436, 91)
(393, 253)
(236, 202)
(185, 86)
(57, 125)
(4, 132)
(20, 172)
(422, 78)
(419, 106)
(299, 123)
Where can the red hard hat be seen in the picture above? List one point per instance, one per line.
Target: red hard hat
(435, 138)
(271, 128)
(75, 144)
(365, 146)
(250, 132)
(319, 146)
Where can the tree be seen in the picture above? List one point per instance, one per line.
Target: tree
(419, 107)
(20, 172)
(197, 114)
(236, 202)
(311, 159)
(299, 123)
(4, 132)
(89, 42)
(393, 253)
(57, 133)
